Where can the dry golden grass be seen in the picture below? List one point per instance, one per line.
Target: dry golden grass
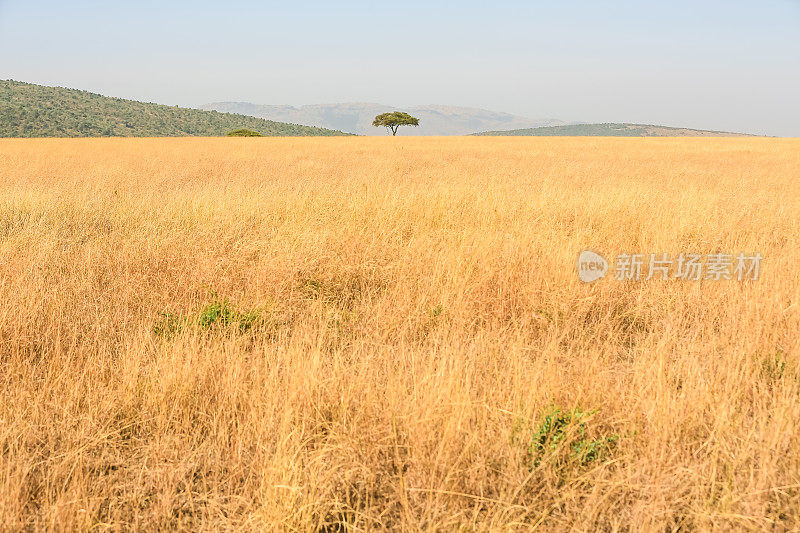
(402, 314)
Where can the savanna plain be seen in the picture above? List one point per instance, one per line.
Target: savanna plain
(349, 334)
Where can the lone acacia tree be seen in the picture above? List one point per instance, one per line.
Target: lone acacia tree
(394, 120)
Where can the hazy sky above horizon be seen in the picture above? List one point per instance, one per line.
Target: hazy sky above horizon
(723, 65)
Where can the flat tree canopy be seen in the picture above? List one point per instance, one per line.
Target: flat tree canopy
(244, 133)
(394, 120)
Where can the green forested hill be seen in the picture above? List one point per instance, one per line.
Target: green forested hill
(28, 110)
(611, 130)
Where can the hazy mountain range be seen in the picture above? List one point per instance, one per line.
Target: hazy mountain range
(358, 117)
(611, 130)
(29, 110)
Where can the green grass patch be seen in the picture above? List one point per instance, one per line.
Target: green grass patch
(217, 315)
(562, 438)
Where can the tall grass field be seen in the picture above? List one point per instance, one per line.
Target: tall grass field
(352, 334)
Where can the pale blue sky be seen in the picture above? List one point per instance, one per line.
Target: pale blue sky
(728, 65)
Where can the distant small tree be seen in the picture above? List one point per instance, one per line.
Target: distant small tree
(244, 133)
(394, 120)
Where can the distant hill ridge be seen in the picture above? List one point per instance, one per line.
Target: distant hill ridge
(356, 117)
(610, 129)
(29, 110)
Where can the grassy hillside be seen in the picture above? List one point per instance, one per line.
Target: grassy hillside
(28, 110)
(611, 130)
